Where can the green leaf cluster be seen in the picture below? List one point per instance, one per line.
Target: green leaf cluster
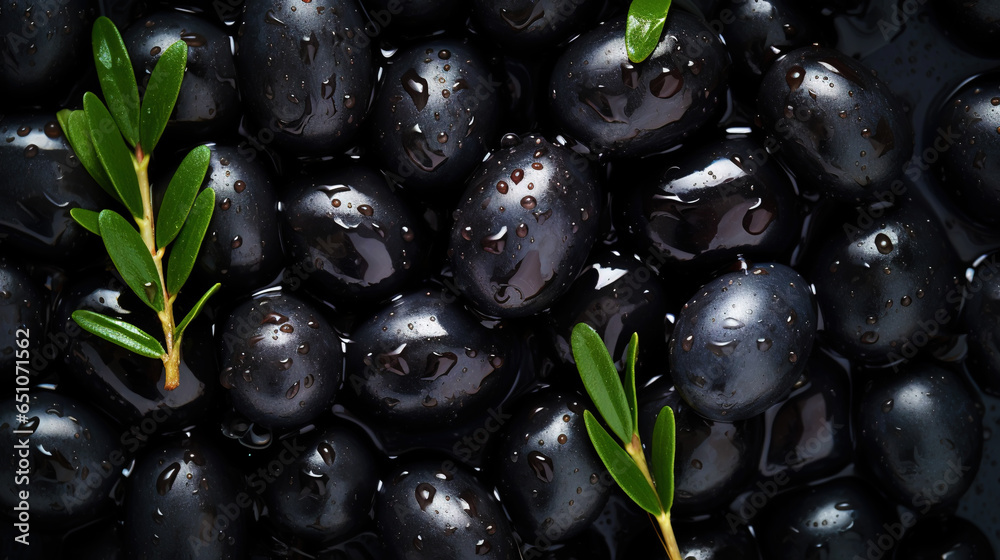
(113, 140)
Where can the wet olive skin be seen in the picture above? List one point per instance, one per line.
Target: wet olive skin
(306, 73)
(424, 361)
(742, 341)
(950, 538)
(433, 508)
(327, 492)
(707, 205)
(43, 55)
(74, 459)
(41, 173)
(208, 101)
(889, 290)
(923, 460)
(176, 498)
(524, 227)
(713, 461)
(436, 115)
(977, 23)
(126, 385)
(969, 167)
(242, 248)
(281, 361)
(549, 477)
(981, 321)
(23, 306)
(810, 432)
(533, 25)
(623, 109)
(350, 237)
(836, 519)
(617, 295)
(838, 125)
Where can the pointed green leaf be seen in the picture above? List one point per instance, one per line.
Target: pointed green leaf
(114, 70)
(161, 94)
(664, 447)
(644, 26)
(185, 249)
(620, 465)
(77, 131)
(180, 194)
(630, 355)
(121, 333)
(194, 311)
(113, 153)
(131, 258)
(601, 380)
(86, 218)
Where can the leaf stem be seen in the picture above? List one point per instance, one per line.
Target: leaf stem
(668, 540)
(147, 227)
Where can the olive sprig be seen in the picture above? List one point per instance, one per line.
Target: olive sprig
(652, 490)
(114, 143)
(644, 25)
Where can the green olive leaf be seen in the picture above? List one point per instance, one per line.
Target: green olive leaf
(185, 250)
(644, 27)
(631, 352)
(132, 258)
(121, 333)
(194, 311)
(601, 380)
(113, 153)
(622, 468)
(180, 195)
(86, 218)
(77, 131)
(161, 94)
(664, 448)
(114, 70)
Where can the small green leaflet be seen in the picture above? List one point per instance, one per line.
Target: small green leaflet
(131, 258)
(113, 153)
(87, 218)
(185, 251)
(161, 94)
(180, 195)
(644, 27)
(664, 447)
(631, 351)
(77, 131)
(121, 333)
(114, 70)
(179, 330)
(601, 380)
(620, 465)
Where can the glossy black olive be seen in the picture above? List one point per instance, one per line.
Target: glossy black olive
(524, 227)
(627, 109)
(920, 432)
(306, 73)
(950, 538)
(126, 385)
(351, 238)
(423, 360)
(328, 492)
(42, 181)
(281, 360)
(534, 25)
(713, 461)
(981, 320)
(62, 460)
(886, 290)
(740, 344)
(841, 519)
(549, 477)
(436, 115)
(184, 500)
(840, 128)
(968, 167)
(433, 508)
(974, 23)
(208, 101)
(707, 205)
(46, 48)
